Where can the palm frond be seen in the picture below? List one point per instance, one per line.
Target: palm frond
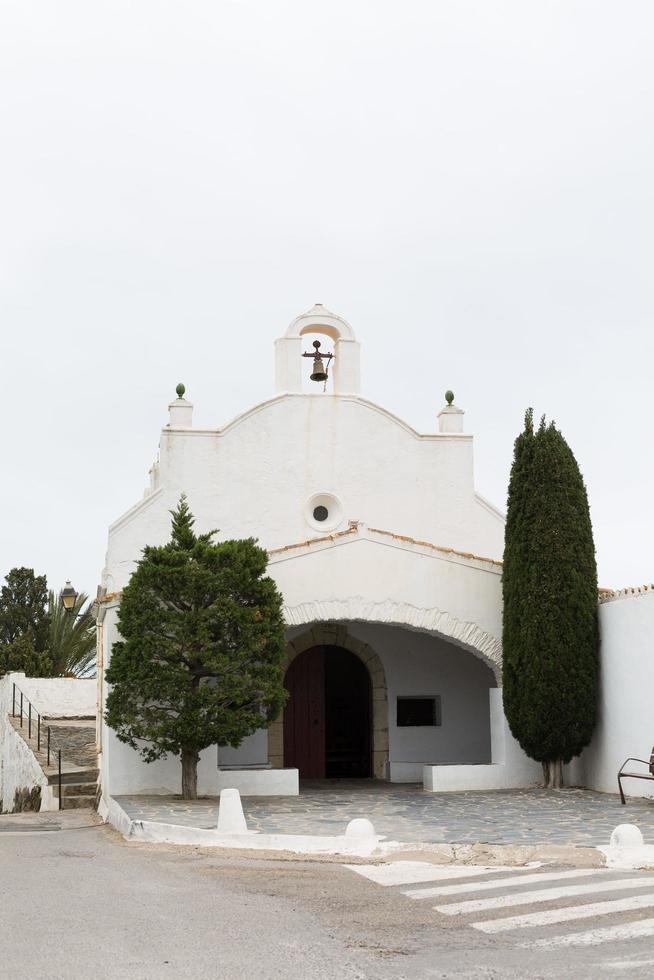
(71, 641)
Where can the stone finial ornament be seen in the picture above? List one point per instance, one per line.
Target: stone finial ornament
(450, 417)
(180, 411)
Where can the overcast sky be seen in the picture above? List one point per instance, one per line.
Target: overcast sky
(469, 184)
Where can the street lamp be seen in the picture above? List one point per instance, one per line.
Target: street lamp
(68, 596)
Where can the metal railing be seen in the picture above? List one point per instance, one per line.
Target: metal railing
(31, 711)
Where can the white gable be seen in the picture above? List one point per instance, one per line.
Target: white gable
(264, 474)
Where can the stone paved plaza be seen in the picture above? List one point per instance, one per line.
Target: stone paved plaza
(406, 813)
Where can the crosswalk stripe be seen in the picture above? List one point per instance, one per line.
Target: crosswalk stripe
(568, 914)
(412, 872)
(513, 882)
(542, 895)
(627, 930)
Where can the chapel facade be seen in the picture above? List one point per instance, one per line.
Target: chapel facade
(389, 563)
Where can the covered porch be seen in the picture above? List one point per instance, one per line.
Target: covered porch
(393, 662)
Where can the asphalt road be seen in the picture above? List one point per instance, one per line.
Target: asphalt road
(81, 903)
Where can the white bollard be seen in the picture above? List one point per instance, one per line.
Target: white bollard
(231, 819)
(360, 827)
(626, 835)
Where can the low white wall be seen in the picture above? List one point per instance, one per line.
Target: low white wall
(124, 771)
(510, 767)
(60, 697)
(19, 770)
(260, 782)
(626, 712)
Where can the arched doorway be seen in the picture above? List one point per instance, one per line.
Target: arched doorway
(327, 718)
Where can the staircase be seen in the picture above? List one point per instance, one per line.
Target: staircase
(79, 764)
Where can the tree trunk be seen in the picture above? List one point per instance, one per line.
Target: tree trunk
(190, 774)
(553, 773)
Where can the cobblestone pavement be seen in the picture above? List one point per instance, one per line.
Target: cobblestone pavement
(76, 739)
(406, 813)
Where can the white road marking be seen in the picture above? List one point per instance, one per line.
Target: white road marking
(568, 914)
(636, 964)
(543, 895)
(411, 872)
(513, 882)
(608, 934)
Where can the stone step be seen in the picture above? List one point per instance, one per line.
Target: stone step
(78, 802)
(77, 743)
(79, 772)
(75, 789)
(71, 776)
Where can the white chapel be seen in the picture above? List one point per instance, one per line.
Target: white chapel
(389, 563)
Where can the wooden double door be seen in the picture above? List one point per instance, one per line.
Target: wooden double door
(327, 718)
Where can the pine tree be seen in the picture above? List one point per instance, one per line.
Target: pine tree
(24, 608)
(550, 633)
(21, 656)
(203, 640)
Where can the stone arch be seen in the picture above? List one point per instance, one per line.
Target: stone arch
(334, 634)
(469, 636)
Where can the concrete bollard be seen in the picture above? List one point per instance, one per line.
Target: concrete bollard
(231, 819)
(360, 827)
(626, 835)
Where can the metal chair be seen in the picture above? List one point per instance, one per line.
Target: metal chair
(635, 775)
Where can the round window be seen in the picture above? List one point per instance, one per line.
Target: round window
(323, 512)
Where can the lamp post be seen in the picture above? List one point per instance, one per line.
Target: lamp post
(69, 596)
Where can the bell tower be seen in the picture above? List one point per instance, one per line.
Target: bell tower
(289, 363)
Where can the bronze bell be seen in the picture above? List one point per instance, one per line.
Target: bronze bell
(318, 373)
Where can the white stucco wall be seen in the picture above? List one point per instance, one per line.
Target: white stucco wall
(509, 767)
(122, 770)
(19, 770)
(626, 714)
(61, 697)
(369, 577)
(419, 664)
(256, 476)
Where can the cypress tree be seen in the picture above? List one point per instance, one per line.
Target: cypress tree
(550, 632)
(202, 643)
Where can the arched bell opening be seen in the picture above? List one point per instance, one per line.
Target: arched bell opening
(335, 336)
